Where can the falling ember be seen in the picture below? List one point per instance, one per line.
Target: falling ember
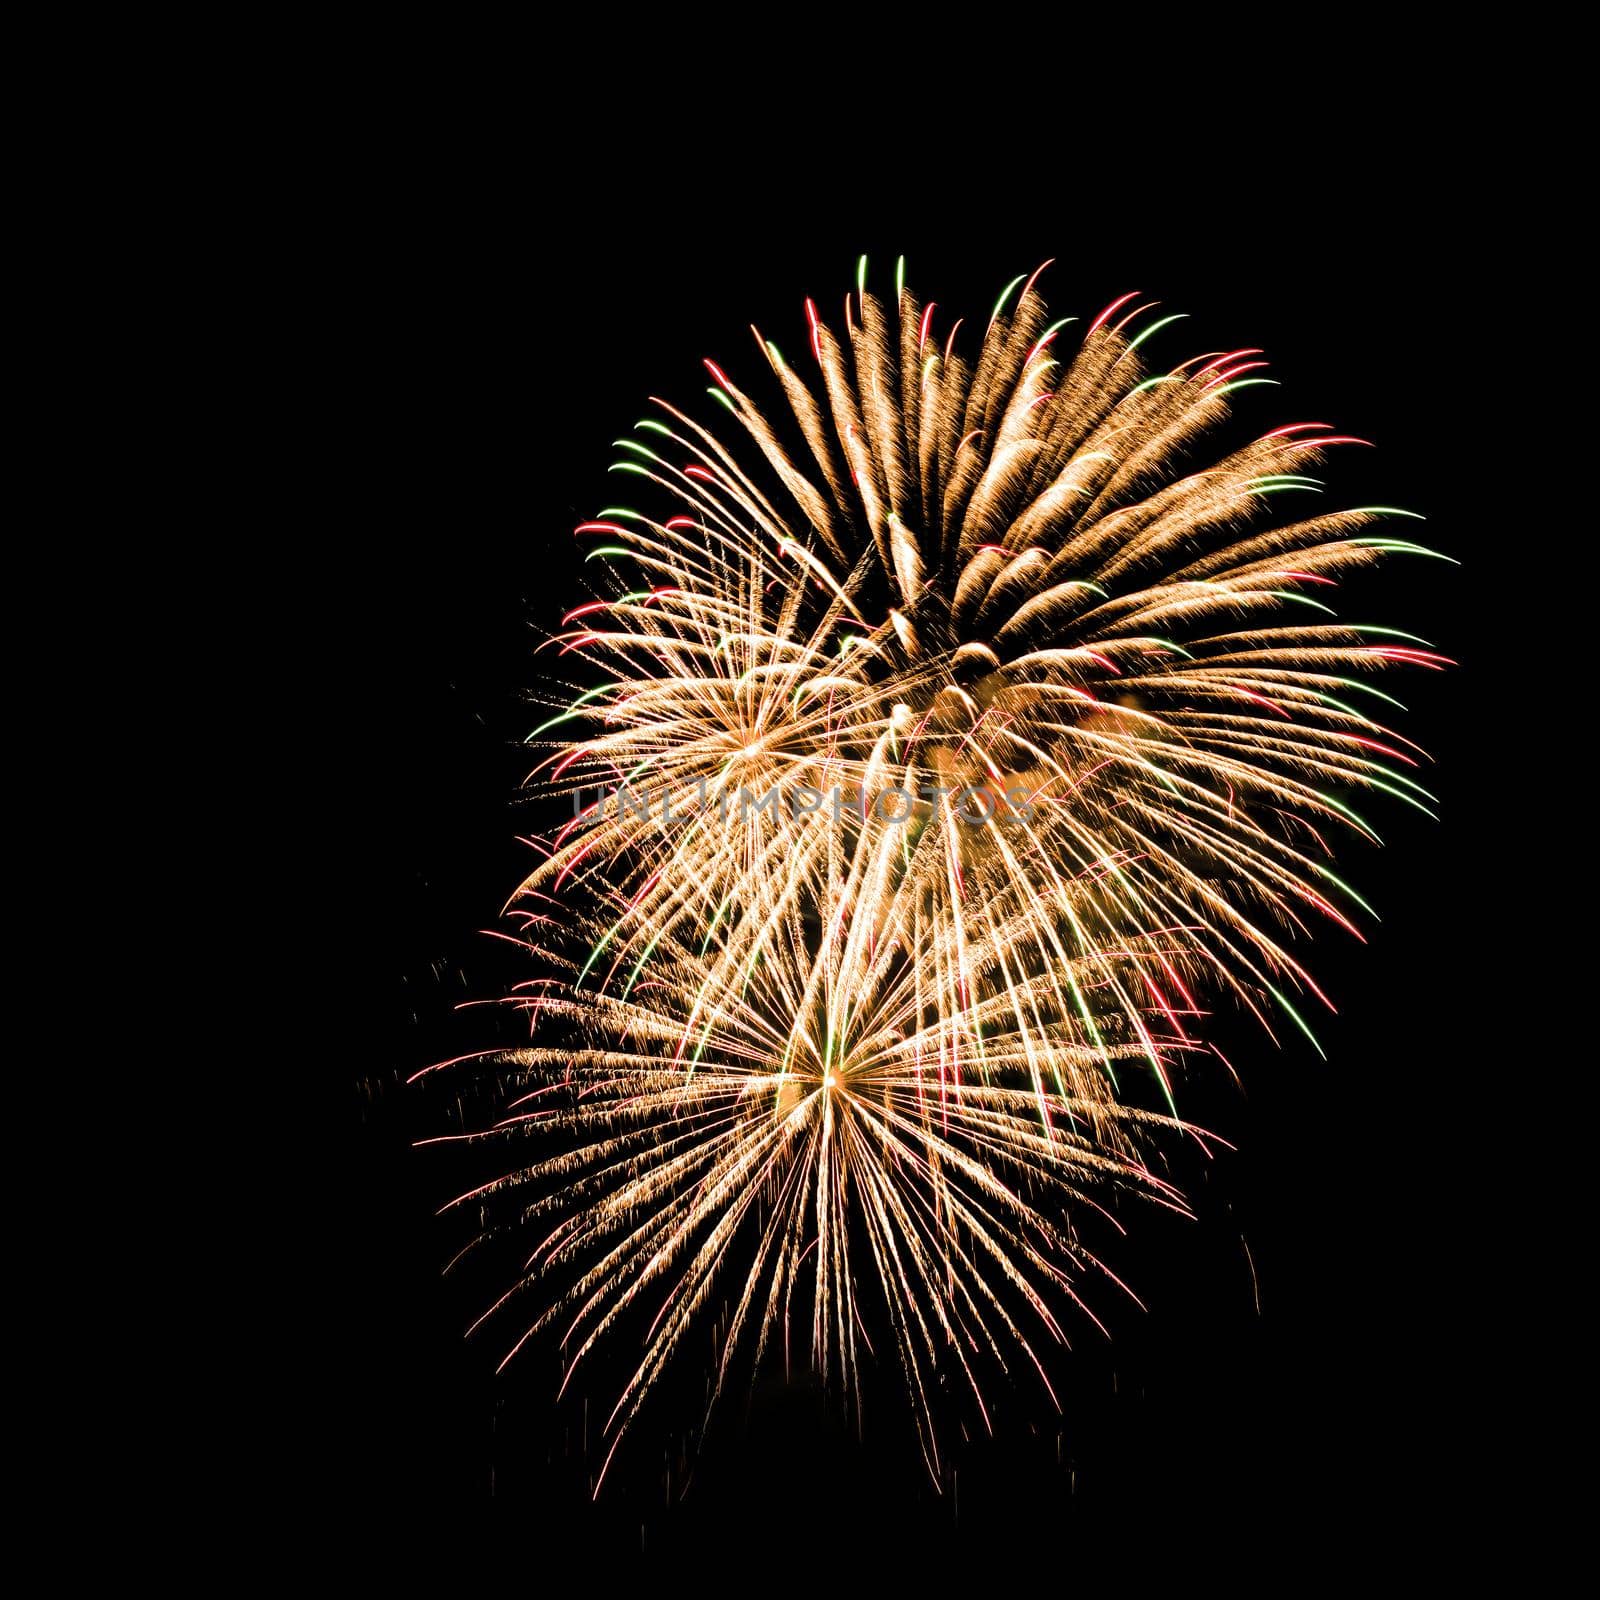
(788, 1060)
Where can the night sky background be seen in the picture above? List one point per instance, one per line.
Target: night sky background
(1300, 1388)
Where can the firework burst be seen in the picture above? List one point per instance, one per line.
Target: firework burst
(1080, 709)
(833, 1112)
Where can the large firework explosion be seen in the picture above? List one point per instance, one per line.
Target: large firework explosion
(1064, 715)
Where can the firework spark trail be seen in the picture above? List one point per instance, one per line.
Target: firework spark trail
(802, 1035)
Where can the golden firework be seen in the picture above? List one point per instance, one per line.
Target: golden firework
(954, 736)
